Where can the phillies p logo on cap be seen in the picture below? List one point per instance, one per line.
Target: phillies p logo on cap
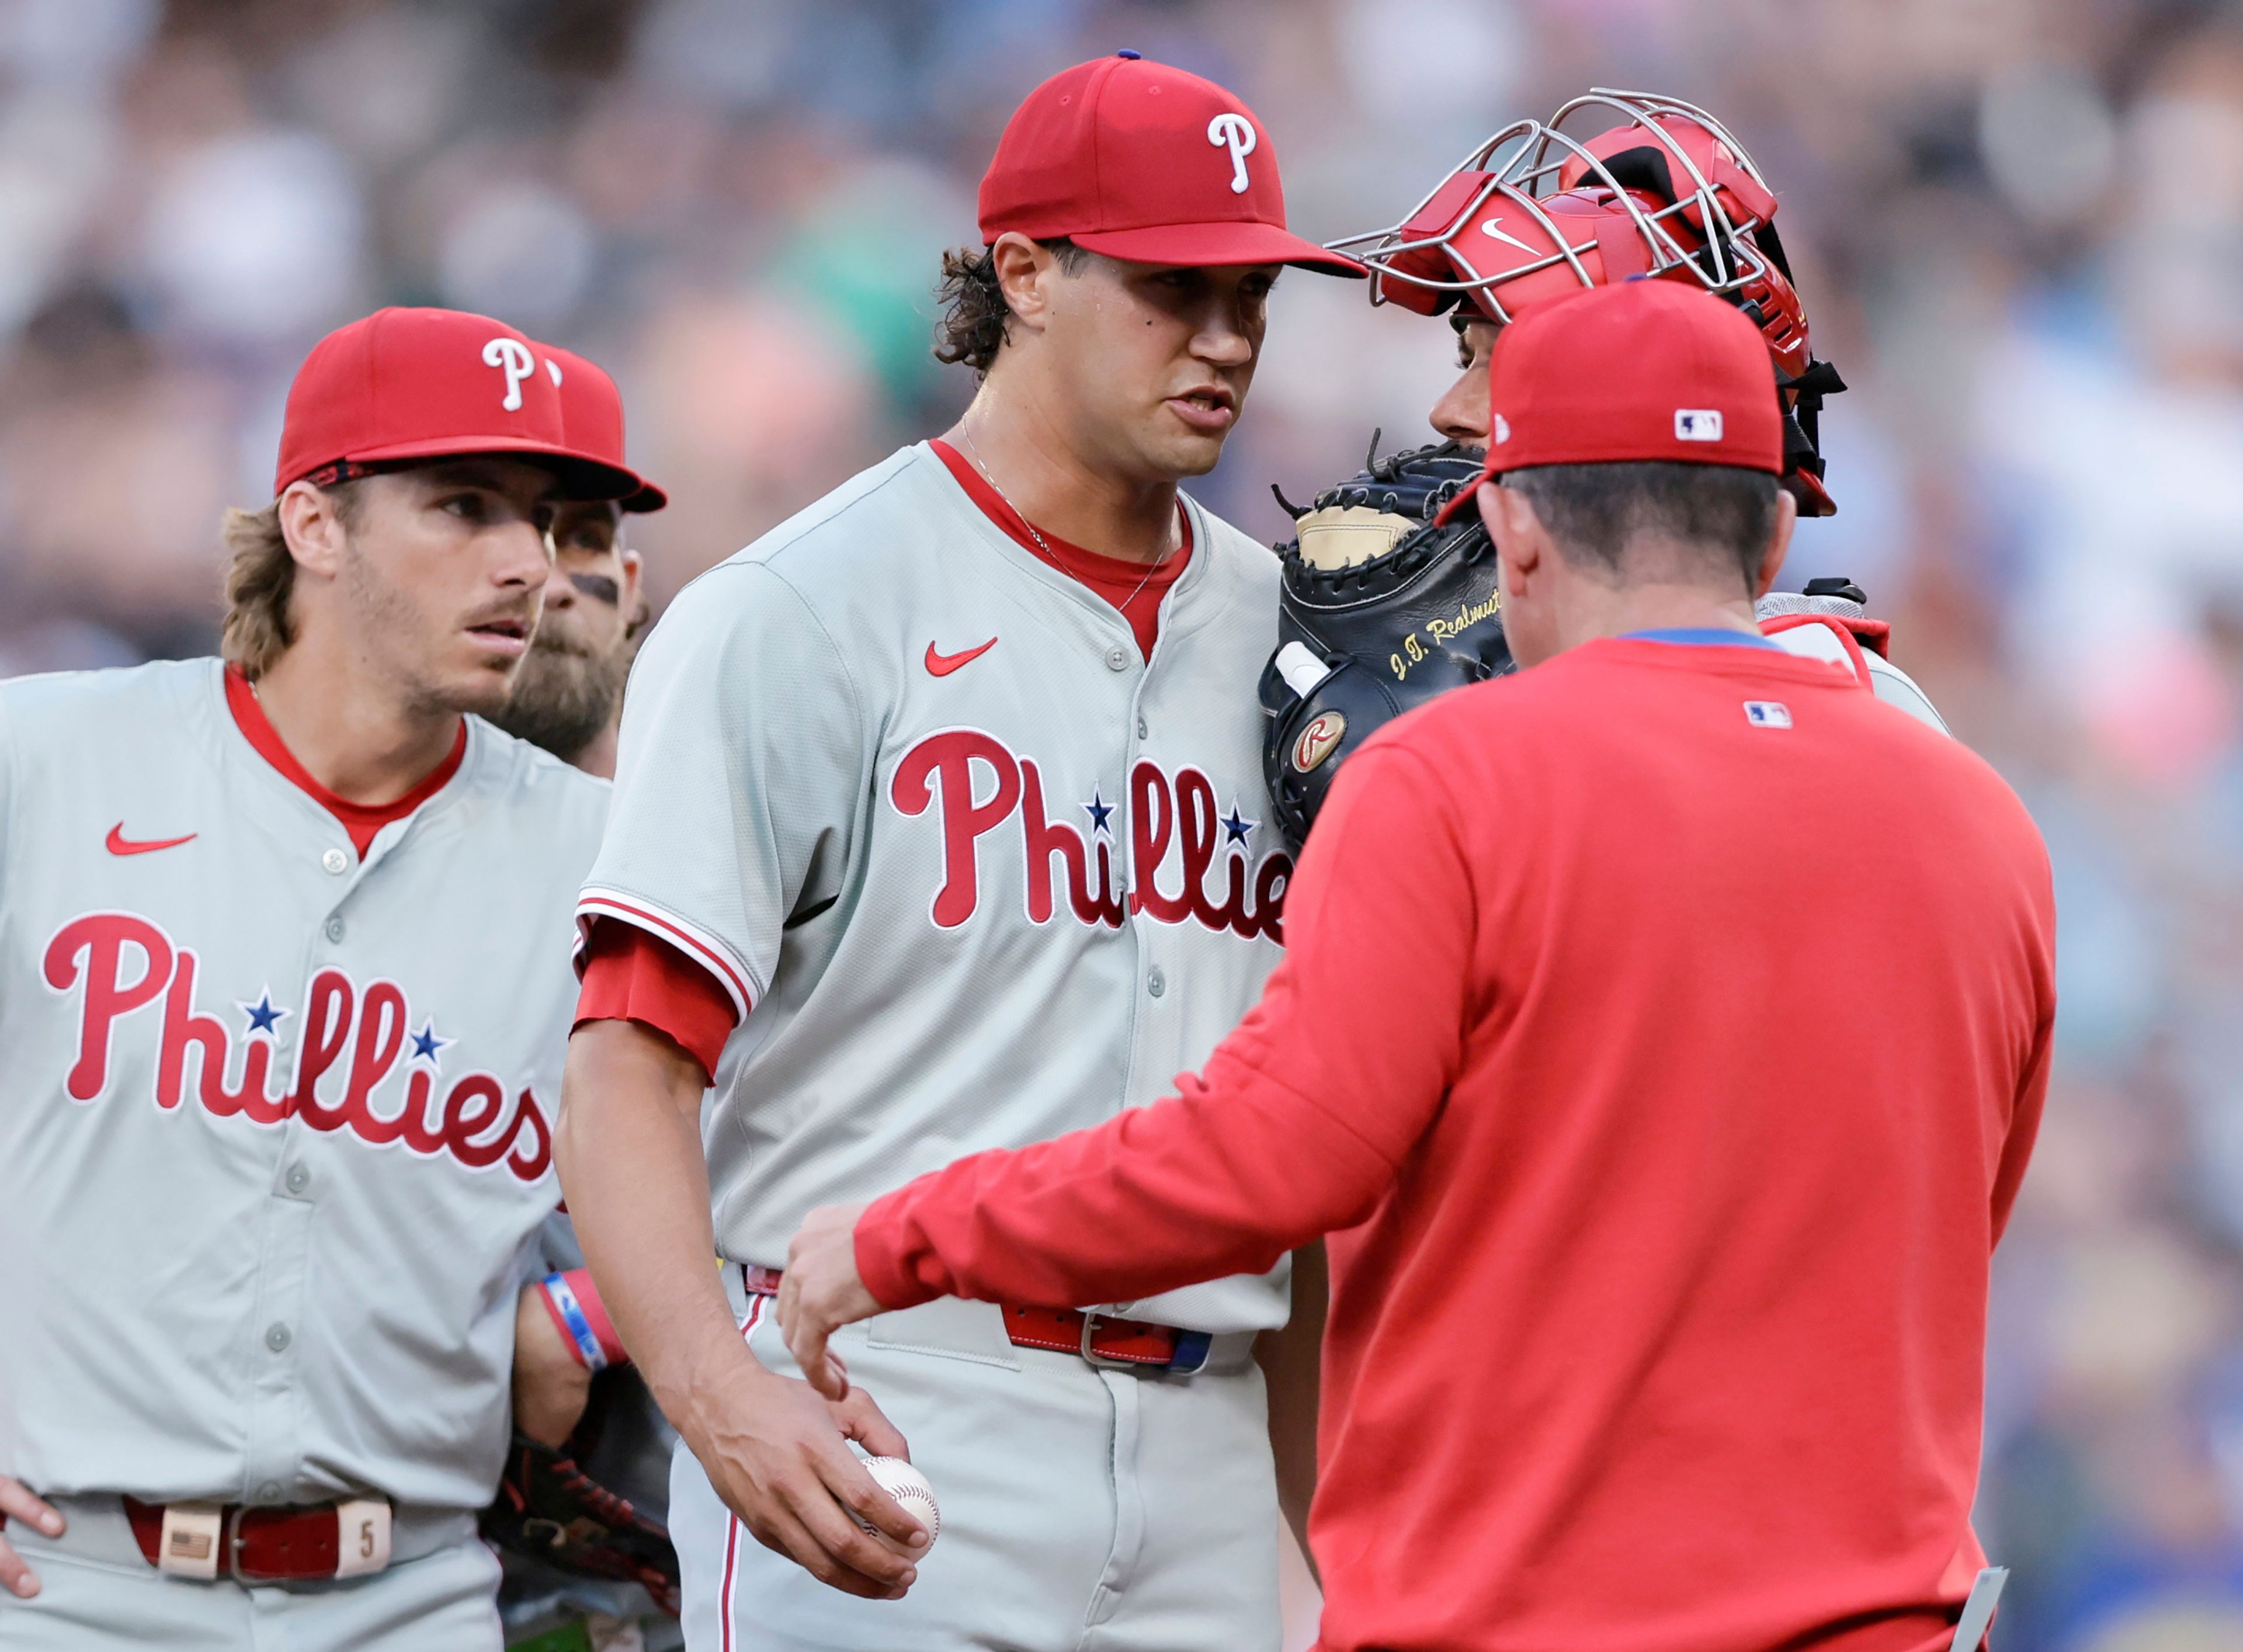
(1141, 161)
(511, 356)
(1237, 133)
(404, 385)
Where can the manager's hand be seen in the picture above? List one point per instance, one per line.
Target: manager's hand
(821, 1291)
(18, 1503)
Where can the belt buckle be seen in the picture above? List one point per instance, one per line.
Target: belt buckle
(362, 1542)
(229, 1550)
(1105, 1362)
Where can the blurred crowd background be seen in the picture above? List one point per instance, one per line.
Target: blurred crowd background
(2019, 227)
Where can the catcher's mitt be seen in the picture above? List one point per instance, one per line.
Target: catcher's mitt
(1380, 611)
(549, 1509)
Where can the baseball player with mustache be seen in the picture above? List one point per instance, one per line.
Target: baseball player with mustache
(283, 1001)
(568, 696)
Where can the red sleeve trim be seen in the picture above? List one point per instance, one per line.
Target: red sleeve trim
(633, 974)
(697, 944)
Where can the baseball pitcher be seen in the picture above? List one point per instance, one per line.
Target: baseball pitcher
(939, 823)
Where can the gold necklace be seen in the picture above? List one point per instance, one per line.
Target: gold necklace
(982, 465)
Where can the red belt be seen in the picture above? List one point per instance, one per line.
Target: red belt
(256, 1545)
(1101, 1341)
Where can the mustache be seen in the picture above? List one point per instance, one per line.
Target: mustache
(548, 639)
(518, 612)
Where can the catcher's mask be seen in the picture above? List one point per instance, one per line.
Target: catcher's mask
(1667, 193)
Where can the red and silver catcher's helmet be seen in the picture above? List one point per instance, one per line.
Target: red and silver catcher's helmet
(1665, 193)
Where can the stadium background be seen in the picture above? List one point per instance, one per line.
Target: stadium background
(2019, 225)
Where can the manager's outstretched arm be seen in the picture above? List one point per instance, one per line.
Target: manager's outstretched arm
(1294, 1127)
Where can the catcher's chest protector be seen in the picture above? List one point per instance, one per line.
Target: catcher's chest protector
(1379, 612)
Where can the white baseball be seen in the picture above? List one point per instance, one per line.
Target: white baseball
(908, 1487)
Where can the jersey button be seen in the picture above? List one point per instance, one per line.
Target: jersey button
(298, 1178)
(1143, 729)
(1117, 658)
(276, 1337)
(335, 861)
(335, 929)
(1156, 983)
(269, 1491)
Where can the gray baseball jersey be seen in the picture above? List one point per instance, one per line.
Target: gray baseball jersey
(276, 1123)
(983, 874)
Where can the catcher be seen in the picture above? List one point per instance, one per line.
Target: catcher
(1384, 607)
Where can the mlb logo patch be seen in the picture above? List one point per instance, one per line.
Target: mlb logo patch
(1767, 714)
(1697, 424)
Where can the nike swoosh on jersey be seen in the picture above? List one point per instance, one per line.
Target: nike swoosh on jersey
(942, 665)
(117, 843)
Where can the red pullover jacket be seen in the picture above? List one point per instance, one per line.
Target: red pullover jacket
(1667, 1027)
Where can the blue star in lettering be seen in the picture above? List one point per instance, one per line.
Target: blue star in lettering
(262, 1016)
(1098, 809)
(426, 1043)
(1237, 827)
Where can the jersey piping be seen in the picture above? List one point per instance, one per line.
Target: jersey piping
(363, 821)
(696, 942)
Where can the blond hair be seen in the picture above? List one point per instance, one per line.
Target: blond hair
(260, 574)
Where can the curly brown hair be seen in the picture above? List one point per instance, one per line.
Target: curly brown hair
(976, 320)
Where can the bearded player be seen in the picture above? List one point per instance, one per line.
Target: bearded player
(1384, 609)
(568, 695)
(567, 698)
(940, 822)
(283, 1013)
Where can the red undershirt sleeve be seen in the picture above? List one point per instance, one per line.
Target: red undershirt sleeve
(1294, 1127)
(632, 975)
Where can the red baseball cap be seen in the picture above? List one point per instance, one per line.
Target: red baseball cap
(1645, 370)
(592, 413)
(1142, 161)
(407, 384)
